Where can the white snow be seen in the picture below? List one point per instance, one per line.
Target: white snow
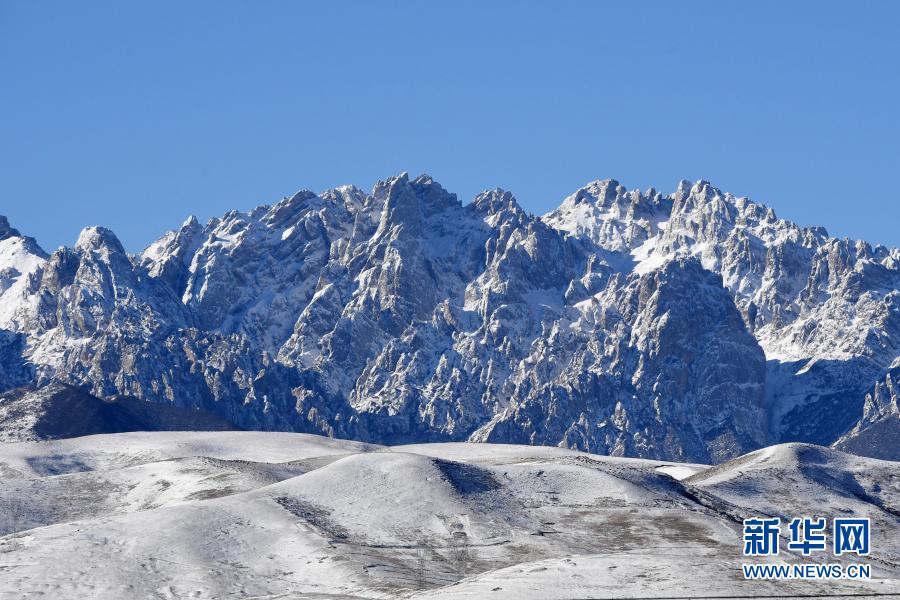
(680, 472)
(18, 262)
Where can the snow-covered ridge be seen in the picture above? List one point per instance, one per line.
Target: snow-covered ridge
(759, 257)
(19, 257)
(692, 326)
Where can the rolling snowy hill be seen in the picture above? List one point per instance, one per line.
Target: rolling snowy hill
(691, 326)
(281, 515)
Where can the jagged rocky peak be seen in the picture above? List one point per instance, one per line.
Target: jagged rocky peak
(14, 243)
(491, 202)
(499, 209)
(167, 258)
(350, 197)
(6, 231)
(599, 194)
(877, 433)
(96, 238)
(20, 257)
(602, 192)
(287, 210)
(409, 203)
(617, 219)
(699, 194)
(682, 189)
(100, 257)
(608, 215)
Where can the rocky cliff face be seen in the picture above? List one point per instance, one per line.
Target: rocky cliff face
(877, 433)
(691, 326)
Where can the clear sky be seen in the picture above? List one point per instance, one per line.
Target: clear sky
(133, 115)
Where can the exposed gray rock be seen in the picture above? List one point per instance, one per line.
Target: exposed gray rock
(58, 411)
(877, 433)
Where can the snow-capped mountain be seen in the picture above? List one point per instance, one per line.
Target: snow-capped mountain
(694, 326)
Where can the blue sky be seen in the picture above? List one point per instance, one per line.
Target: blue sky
(134, 115)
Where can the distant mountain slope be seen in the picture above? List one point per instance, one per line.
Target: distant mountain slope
(59, 411)
(691, 326)
(877, 434)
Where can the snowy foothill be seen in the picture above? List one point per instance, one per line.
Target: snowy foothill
(265, 515)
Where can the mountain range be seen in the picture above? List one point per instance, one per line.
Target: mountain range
(691, 326)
